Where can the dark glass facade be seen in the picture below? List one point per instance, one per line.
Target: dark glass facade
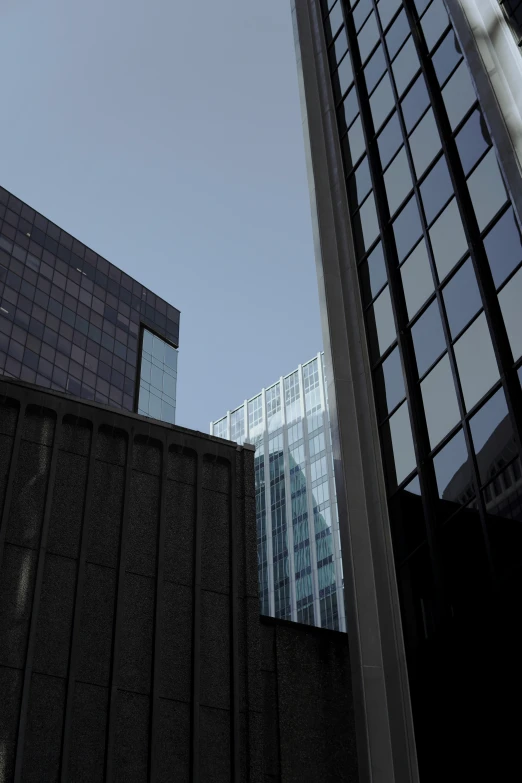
(439, 255)
(71, 321)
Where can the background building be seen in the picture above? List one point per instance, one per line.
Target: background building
(71, 321)
(412, 118)
(299, 556)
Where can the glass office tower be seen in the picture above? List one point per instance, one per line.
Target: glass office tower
(71, 321)
(299, 563)
(412, 115)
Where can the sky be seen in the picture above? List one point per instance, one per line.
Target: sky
(167, 136)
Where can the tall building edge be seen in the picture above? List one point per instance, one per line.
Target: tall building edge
(384, 725)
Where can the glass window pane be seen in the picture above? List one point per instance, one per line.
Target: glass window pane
(447, 56)
(387, 9)
(405, 66)
(158, 349)
(440, 401)
(381, 324)
(504, 247)
(402, 443)
(487, 190)
(491, 428)
(462, 298)
(407, 229)
(397, 34)
(459, 95)
(338, 49)
(347, 111)
(359, 184)
(374, 69)
(360, 12)
(372, 273)
(452, 469)
(143, 404)
(417, 280)
(333, 21)
(342, 78)
(448, 240)
(389, 140)
(436, 190)
(382, 101)
(428, 338)
(424, 143)
(368, 37)
(389, 382)
(472, 140)
(147, 341)
(355, 143)
(433, 23)
(415, 103)
(365, 225)
(476, 361)
(171, 357)
(510, 299)
(397, 180)
(421, 6)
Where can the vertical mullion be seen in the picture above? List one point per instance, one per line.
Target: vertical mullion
(11, 476)
(196, 626)
(37, 595)
(118, 617)
(78, 598)
(234, 626)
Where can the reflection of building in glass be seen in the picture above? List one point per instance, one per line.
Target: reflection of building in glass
(299, 566)
(412, 113)
(71, 321)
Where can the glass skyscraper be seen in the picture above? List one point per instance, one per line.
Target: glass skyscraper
(412, 115)
(299, 563)
(71, 321)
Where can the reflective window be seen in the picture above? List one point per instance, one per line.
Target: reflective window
(407, 228)
(402, 443)
(158, 373)
(428, 338)
(487, 190)
(421, 6)
(334, 21)
(365, 225)
(397, 180)
(440, 401)
(397, 34)
(472, 140)
(368, 37)
(381, 325)
(359, 184)
(510, 299)
(459, 95)
(390, 382)
(347, 111)
(491, 432)
(415, 103)
(339, 48)
(424, 143)
(405, 66)
(462, 298)
(476, 361)
(382, 101)
(374, 69)
(447, 57)
(360, 13)
(356, 140)
(434, 23)
(342, 78)
(448, 240)
(452, 469)
(417, 280)
(389, 140)
(504, 247)
(436, 190)
(386, 11)
(372, 273)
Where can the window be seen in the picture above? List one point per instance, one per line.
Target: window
(158, 373)
(405, 66)
(504, 247)
(390, 382)
(462, 298)
(373, 273)
(440, 401)
(447, 57)
(428, 338)
(382, 101)
(450, 472)
(510, 299)
(472, 140)
(458, 95)
(448, 240)
(365, 225)
(407, 228)
(397, 180)
(381, 324)
(389, 140)
(417, 280)
(476, 361)
(487, 190)
(424, 143)
(436, 190)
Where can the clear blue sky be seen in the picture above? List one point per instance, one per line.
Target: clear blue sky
(166, 135)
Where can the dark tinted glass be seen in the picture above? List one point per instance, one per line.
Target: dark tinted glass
(359, 184)
(382, 101)
(372, 273)
(390, 382)
(405, 66)
(374, 69)
(342, 78)
(397, 180)
(440, 401)
(365, 226)
(447, 57)
(452, 470)
(434, 23)
(424, 143)
(348, 111)
(428, 338)
(367, 37)
(415, 103)
(397, 34)
(407, 228)
(436, 190)
(504, 247)
(492, 434)
(462, 298)
(356, 141)
(387, 10)
(338, 48)
(389, 140)
(472, 141)
(333, 21)
(361, 13)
